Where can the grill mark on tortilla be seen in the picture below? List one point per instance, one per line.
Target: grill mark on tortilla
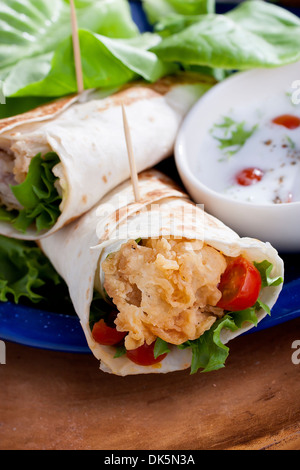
(133, 208)
(157, 89)
(46, 110)
(156, 193)
(88, 293)
(120, 213)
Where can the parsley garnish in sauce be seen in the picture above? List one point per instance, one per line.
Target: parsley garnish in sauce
(231, 135)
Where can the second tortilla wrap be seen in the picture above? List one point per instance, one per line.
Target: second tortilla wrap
(164, 220)
(80, 141)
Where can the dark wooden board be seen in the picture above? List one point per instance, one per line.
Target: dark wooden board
(51, 400)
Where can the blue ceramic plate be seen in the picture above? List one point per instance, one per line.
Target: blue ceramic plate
(59, 332)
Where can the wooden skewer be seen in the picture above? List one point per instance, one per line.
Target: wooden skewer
(76, 47)
(133, 171)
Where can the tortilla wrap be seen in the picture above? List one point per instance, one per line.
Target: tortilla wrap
(78, 253)
(86, 132)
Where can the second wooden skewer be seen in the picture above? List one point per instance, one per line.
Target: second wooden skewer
(133, 171)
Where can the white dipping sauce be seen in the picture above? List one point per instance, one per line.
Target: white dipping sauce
(272, 148)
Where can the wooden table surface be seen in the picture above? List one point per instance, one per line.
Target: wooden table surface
(51, 400)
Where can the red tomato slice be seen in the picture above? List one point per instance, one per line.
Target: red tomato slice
(249, 176)
(106, 335)
(144, 355)
(287, 120)
(240, 285)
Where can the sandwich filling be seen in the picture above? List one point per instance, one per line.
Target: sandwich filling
(169, 293)
(164, 288)
(7, 179)
(30, 187)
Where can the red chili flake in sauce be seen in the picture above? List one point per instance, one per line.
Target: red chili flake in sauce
(287, 120)
(249, 176)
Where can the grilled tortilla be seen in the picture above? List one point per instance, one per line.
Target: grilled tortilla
(159, 262)
(85, 134)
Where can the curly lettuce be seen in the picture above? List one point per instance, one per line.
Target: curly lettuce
(24, 270)
(37, 195)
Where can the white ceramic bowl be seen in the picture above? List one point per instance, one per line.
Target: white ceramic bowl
(277, 223)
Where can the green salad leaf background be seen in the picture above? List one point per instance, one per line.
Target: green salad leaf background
(254, 34)
(36, 54)
(156, 9)
(36, 51)
(24, 270)
(31, 30)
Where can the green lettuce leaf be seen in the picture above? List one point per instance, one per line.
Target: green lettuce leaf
(39, 62)
(38, 196)
(120, 351)
(98, 310)
(255, 34)
(265, 269)
(24, 270)
(160, 347)
(31, 28)
(157, 9)
(208, 352)
(7, 216)
(106, 63)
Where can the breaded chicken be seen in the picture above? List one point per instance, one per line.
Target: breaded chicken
(164, 288)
